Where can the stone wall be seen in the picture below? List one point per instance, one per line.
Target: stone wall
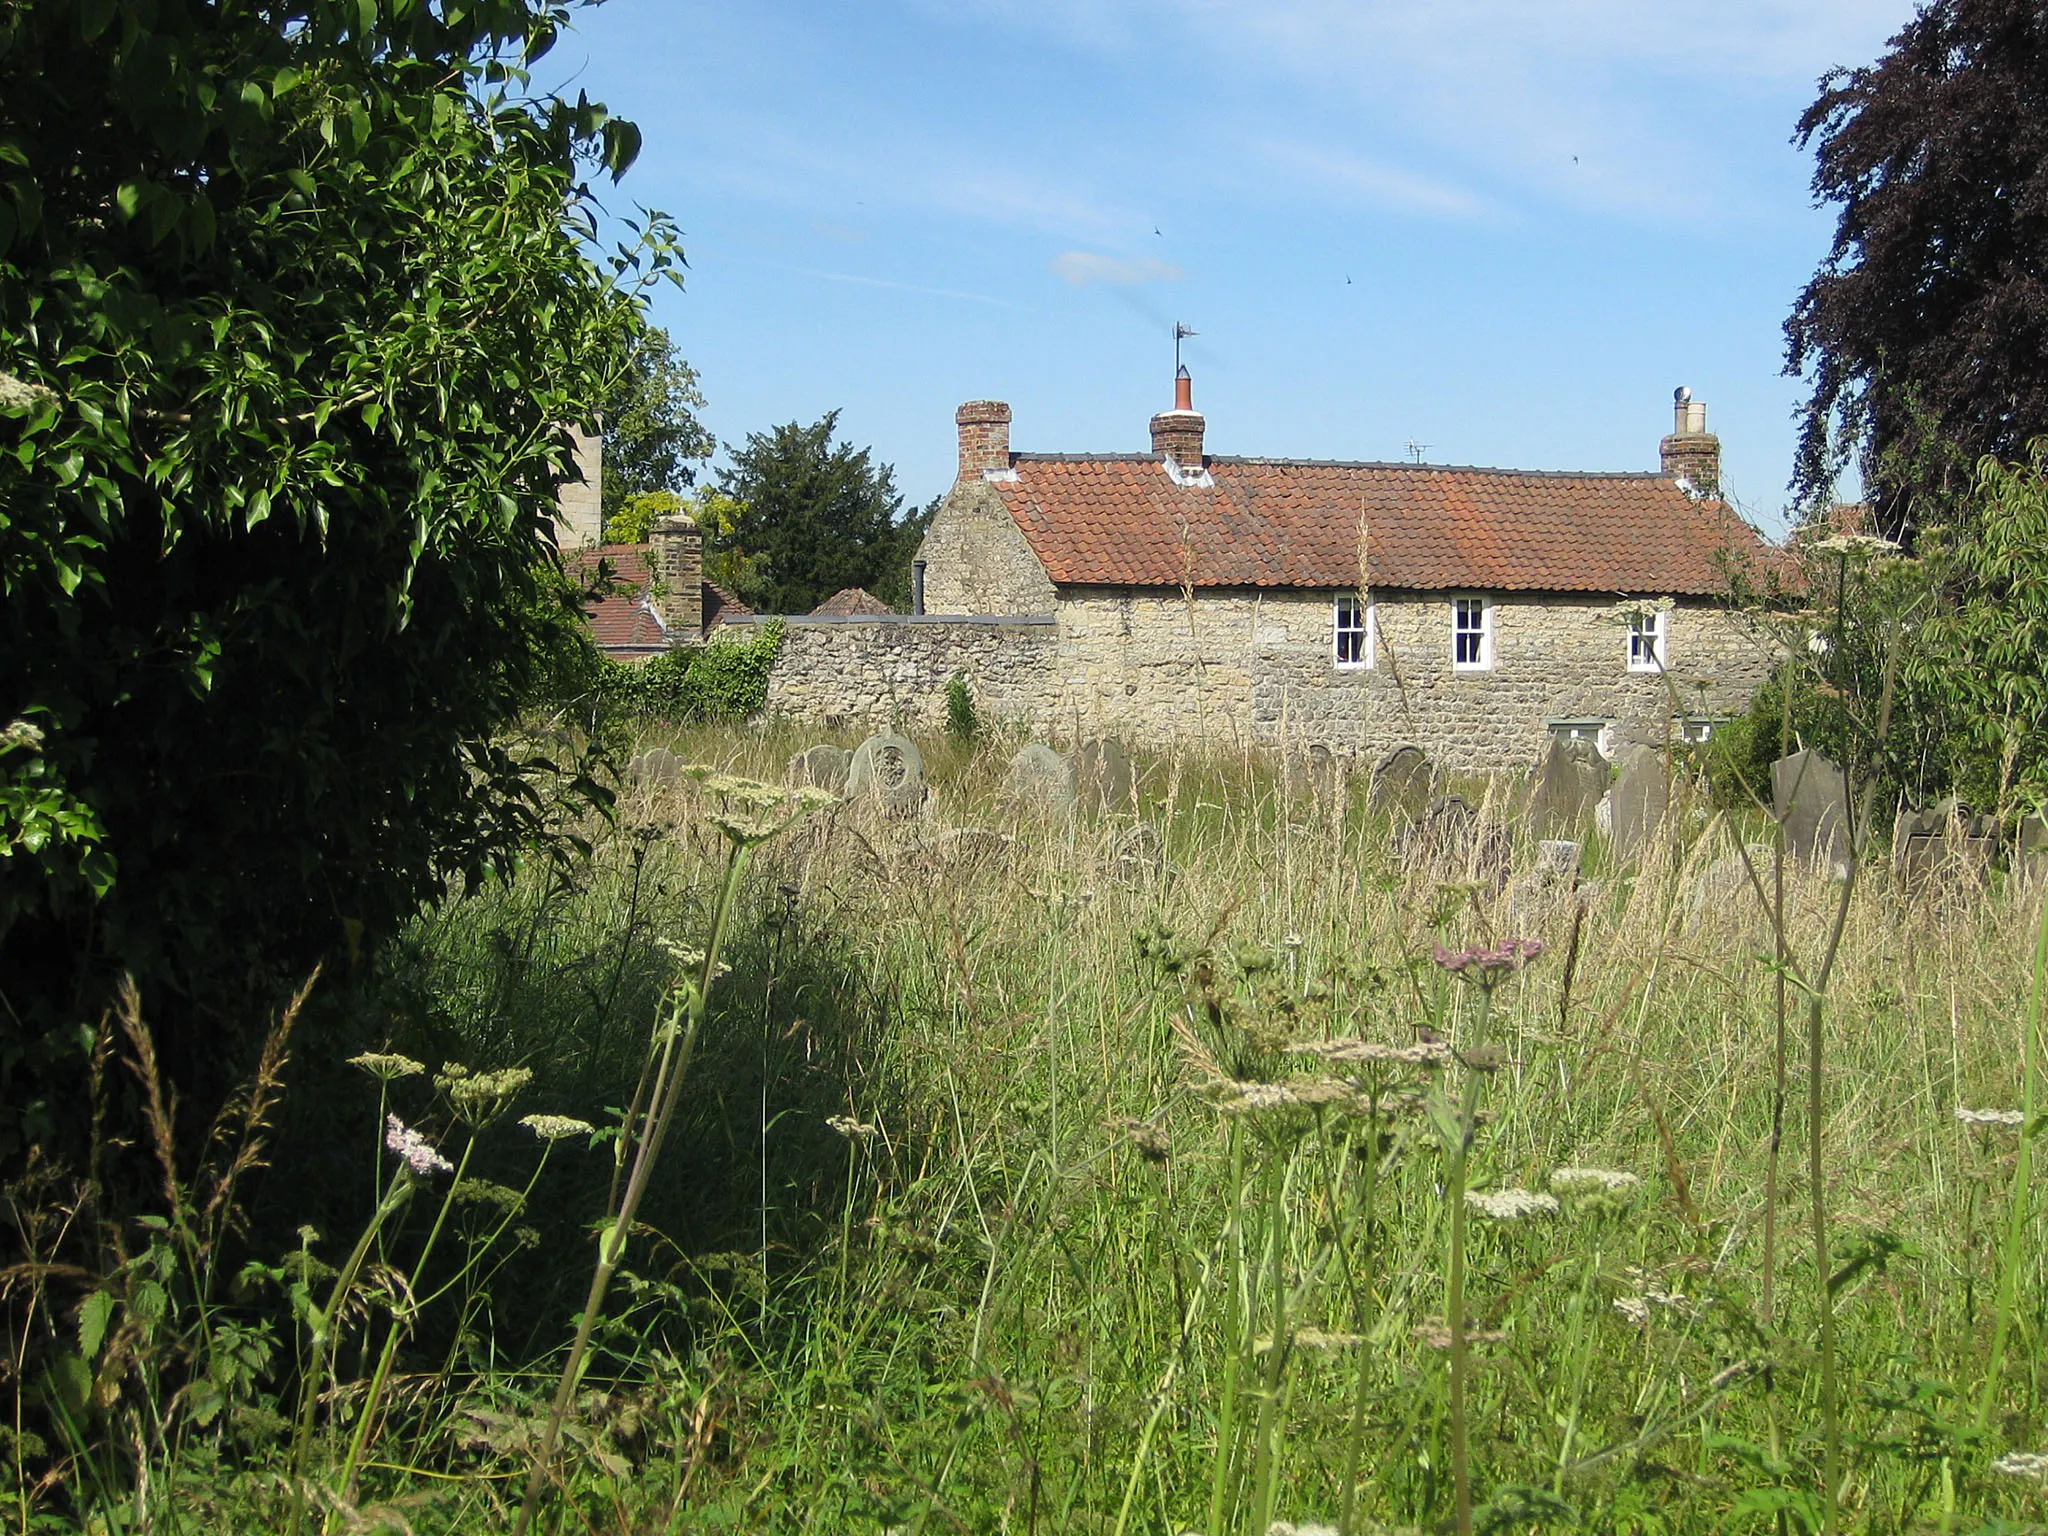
(869, 672)
(976, 560)
(1258, 667)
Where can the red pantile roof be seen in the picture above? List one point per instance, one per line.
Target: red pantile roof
(1119, 520)
(851, 600)
(626, 621)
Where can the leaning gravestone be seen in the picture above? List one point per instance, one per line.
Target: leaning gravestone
(1103, 772)
(1401, 783)
(1558, 861)
(820, 767)
(1568, 787)
(1811, 798)
(1947, 837)
(1642, 791)
(1042, 779)
(888, 769)
(655, 768)
(2030, 854)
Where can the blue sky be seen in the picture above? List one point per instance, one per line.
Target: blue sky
(1503, 229)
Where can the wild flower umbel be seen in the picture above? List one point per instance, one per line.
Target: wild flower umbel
(2006, 1117)
(1867, 545)
(2032, 1464)
(850, 1128)
(1289, 1528)
(388, 1066)
(21, 736)
(1423, 1053)
(749, 812)
(1592, 1180)
(477, 1096)
(1485, 965)
(1510, 1204)
(556, 1127)
(410, 1145)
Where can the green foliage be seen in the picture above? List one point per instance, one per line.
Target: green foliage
(813, 516)
(651, 430)
(1987, 643)
(962, 723)
(634, 521)
(725, 680)
(289, 302)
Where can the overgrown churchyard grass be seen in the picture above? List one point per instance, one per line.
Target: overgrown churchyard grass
(1028, 1181)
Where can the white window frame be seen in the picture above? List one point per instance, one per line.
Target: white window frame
(1655, 627)
(1367, 628)
(1459, 602)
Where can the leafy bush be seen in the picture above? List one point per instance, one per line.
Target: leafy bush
(724, 680)
(290, 301)
(962, 723)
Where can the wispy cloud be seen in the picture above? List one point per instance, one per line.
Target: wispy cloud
(1354, 178)
(1084, 269)
(884, 282)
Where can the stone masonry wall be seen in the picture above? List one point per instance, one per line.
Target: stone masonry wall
(1245, 666)
(870, 673)
(976, 561)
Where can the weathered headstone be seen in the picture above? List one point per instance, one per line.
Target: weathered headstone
(1642, 792)
(1568, 787)
(1042, 779)
(1559, 860)
(655, 768)
(1103, 771)
(2030, 853)
(1944, 838)
(820, 767)
(1811, 798)
(1141, 852)
(1401, 783)
(888, 769)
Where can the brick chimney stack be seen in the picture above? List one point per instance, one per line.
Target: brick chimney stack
(1177, 434)
(1691, 453)
(679, 568)
(984, 437)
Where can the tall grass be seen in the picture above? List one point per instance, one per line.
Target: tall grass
(1038, 1178)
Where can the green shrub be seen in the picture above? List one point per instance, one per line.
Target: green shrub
(725, 680)
(962, 723)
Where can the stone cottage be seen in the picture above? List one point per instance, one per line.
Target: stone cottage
(1475, 613)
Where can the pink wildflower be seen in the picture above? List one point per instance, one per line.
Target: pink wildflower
(418, 1153)
(1488, 965)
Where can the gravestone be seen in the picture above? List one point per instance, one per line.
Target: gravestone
(820, 767)
(2030, 854)
(1945, 837)
(655, 768)
(1641, 794)
(1042, 779)
(1558, 861)
(1401, 783)
(1103, 771)
(1811, 798)
(888, 769)
(1141, 853)
(1568, 787)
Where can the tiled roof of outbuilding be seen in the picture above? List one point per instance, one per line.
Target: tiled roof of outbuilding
(851, 600)
(1120, 520)
(624, 621)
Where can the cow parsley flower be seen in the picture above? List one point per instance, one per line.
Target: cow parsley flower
(1510, 1204)
(850, 1128)
(1587, 1180)
(2032, 1464)
(387, 1066)
(2011, 1117)
(556, 1127)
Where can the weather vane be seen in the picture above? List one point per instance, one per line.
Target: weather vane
(1180, 329)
